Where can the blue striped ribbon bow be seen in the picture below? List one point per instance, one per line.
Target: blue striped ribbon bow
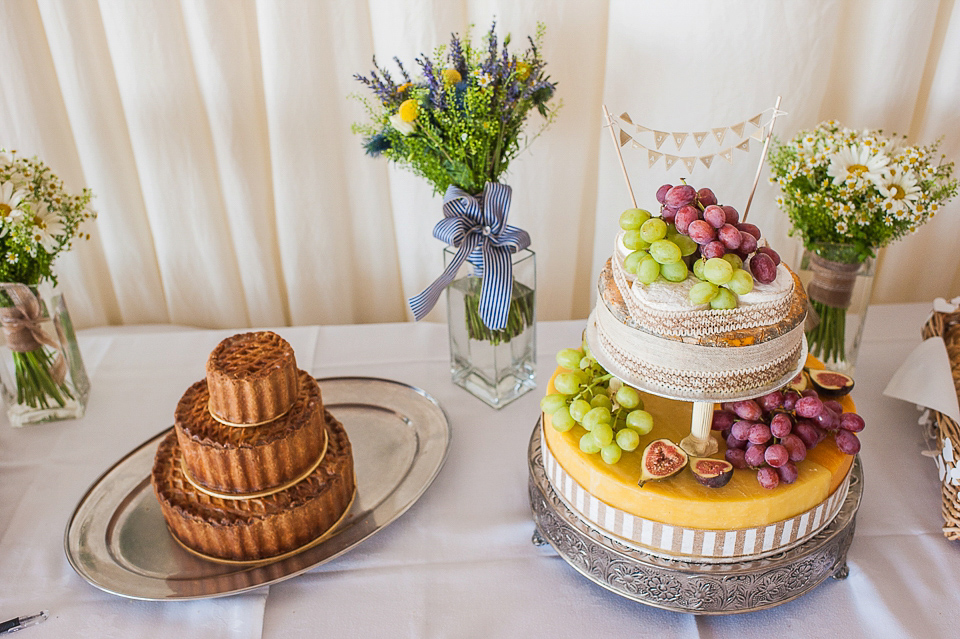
(477, 227)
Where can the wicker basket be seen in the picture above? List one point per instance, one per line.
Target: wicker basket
(947, 326)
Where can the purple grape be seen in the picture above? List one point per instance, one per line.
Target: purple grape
(766, 250)
(852, 422)
(821, 434)
(768, 478)
(685, 215)
(748, 409)
(790, 398)
(752, 229)
(723, 419)
(834, 405)
(771, 401)
(847, 442)
(788, 473)
(730, 236)
(748, 243)
(754, 455)
(706, 197)
(795, 446)
(733, 217)
(781, 425)
(809, 406)
(807, 432)
(678, 196)
(668, 214)
(734, 442)
(701, 232)
(713, 249)
(662, 193)
(759, 434)
(763, 268)
(827, 420)
(776, 455)
(736, 456)
(715, 216)
(741, 429)
(809, 392)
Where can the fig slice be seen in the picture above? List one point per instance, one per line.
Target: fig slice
(831, 383)
(713, 473)
(661, 459)
(800, 383)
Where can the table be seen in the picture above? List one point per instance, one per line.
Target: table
(460, 562)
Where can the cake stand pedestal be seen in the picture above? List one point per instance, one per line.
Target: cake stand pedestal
(684, 584)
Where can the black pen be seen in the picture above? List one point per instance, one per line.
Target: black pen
(19, 623)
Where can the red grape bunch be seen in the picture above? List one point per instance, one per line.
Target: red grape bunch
(772, 433)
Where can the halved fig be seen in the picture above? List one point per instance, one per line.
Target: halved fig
(661, 459)
(831, 383)
(800, 383)
(711, 472)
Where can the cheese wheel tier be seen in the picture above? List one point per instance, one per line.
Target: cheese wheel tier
(696, 353)
(256, 528)
(250, 459)
(252, 378)
(680, 516)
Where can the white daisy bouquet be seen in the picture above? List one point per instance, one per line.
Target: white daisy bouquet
(848, 193)
(38, 221)
(858, 188)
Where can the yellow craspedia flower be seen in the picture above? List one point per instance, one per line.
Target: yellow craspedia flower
(408, 110)
(523, 70)
(404, 87)
(451, 76)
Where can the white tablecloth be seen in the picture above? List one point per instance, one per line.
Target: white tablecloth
(460, 562)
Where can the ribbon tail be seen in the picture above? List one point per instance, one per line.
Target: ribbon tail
(496, 291)
(423, 302)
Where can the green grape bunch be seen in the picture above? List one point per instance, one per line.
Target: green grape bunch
(587, 395)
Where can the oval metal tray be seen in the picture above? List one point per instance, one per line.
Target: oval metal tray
(117, 539)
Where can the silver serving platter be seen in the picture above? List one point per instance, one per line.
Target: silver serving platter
(686, 585)
(117, 539)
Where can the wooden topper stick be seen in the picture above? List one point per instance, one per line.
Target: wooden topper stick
(700, 443)
(763, 156)
(616, 145)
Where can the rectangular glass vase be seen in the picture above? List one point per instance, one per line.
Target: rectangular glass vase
(496, 366)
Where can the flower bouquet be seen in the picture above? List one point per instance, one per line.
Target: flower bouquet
(849, 193)
(42, 373)
(458, 124)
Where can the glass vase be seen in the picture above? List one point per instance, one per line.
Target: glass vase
(496, 366)
(42, 377)
(839, 285)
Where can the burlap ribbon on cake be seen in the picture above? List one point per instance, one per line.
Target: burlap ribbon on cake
(21, 326)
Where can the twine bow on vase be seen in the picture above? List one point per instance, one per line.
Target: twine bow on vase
(22, 329)
(477, 227)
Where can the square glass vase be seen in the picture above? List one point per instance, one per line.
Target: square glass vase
(496, 366)
(41, 382)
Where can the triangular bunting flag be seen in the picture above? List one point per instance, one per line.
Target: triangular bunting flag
(700, 136)
(637, 145)
(745, 145)
(652, 157)
(690, 162)
(755, 120)
(758, 135)
(624, 137)
(642, 129)
(719, 133)
(670, 160)
(738, 129)
(626, 117)
(727, 154)
(659, 137)
(679, 139)
(707, 160)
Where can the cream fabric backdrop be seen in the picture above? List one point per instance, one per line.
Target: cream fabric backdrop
(231, 193)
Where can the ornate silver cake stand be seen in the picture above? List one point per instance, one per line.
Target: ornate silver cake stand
(683, 585)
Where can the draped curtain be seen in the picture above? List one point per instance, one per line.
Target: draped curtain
(231, 192)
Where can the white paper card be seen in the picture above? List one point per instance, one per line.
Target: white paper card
(924, 378)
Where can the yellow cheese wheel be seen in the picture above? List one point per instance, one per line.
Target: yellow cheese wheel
(681, 500)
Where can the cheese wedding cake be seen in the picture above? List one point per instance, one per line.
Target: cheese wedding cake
(694, 314)
(255, 467)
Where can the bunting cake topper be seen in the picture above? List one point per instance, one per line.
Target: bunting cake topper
(651, 141)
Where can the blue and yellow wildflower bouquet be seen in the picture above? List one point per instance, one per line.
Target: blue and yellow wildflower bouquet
(461, 121)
